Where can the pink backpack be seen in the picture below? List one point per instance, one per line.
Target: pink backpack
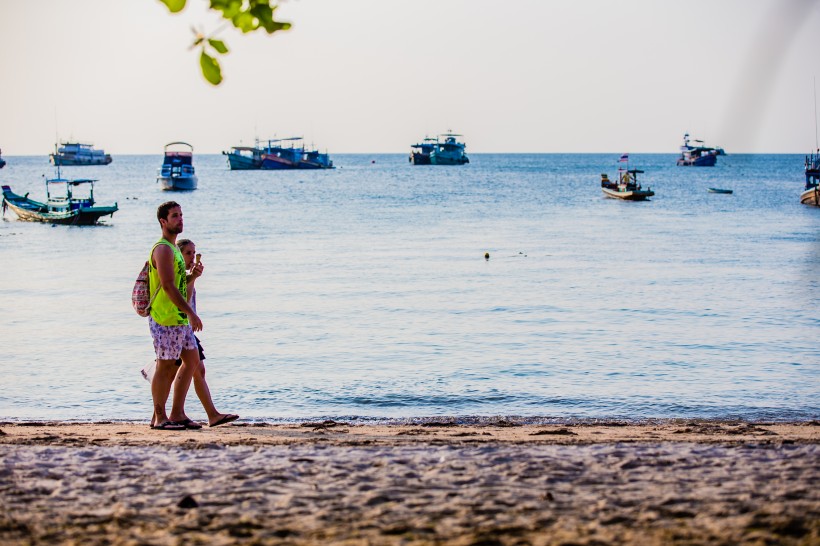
(140, 298)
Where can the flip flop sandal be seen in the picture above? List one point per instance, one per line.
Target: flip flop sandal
(225, 420)
(169, 425)
(187, 423)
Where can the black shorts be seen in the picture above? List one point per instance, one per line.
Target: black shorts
(201, 352)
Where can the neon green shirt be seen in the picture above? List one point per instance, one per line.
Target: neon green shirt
(163, 310)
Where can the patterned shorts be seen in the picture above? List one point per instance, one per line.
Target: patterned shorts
(170, 341)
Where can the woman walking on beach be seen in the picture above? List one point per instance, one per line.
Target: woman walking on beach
(195, 269)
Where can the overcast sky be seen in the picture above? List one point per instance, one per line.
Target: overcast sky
(379, 75)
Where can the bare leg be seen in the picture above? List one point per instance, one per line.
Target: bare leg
(161, 388)
(190, 362)
(204, 393)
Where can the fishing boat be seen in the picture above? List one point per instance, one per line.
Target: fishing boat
(719, 190)
(696, 156)
(420, 153)
(2, 161)
(444, 150)
(277, 154)
(75, 153)
(177, 171)
(61, 207)
(627, 187)
(314, 159)
(811, 192)
(244, 158)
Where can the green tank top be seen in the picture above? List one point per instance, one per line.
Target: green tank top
(163, 310)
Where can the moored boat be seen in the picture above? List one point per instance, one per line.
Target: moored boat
(177, 171)
(274, 154)
(811, 192)
(63, 208)
(696, 156)
(75, 153)
(444, 150)
(314, 159)
(244, 158)
(277, 156)
(627, 186)
(420, 153)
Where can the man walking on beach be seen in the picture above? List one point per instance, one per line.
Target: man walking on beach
(172, 323)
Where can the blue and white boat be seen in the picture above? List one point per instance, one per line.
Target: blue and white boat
(444, 150)
(75, 153)
(696, 156)
(177, 171)
(314, 159)
(277, 154)
(245, 158)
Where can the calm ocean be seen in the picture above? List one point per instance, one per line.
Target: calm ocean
(364, 292)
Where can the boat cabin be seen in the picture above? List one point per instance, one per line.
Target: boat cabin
(65, 200)
(812, 171)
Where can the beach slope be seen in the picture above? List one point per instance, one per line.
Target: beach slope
(676, 482)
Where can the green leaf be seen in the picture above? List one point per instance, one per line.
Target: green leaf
(218, 45)
(210, 69)
(245, 22)
(229, 8)
(174, 6)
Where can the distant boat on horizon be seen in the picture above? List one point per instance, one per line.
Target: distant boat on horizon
(811, 192)
(435, 151)
(274, 155)
(2, 161)
(696, 156)
(75, 154)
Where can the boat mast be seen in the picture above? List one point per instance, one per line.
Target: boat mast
(816, 145)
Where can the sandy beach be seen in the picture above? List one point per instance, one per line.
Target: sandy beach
(686, 482)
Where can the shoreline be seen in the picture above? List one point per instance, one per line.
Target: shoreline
(329, 482)
(447, 431)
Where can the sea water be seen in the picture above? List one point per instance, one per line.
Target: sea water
(364, 292)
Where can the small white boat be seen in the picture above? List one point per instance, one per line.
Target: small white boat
(177, 171)
(627, 187)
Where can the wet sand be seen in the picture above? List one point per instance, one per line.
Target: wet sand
(676, 482)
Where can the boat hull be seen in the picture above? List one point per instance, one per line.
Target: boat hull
(79, 161)
(702, 161)
(811, 197)
(632, 195)
(447, 160)
(417, 158)
(275, 163)
(719, 190)
(178, 183)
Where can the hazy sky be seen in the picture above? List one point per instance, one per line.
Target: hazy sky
(379, 75)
